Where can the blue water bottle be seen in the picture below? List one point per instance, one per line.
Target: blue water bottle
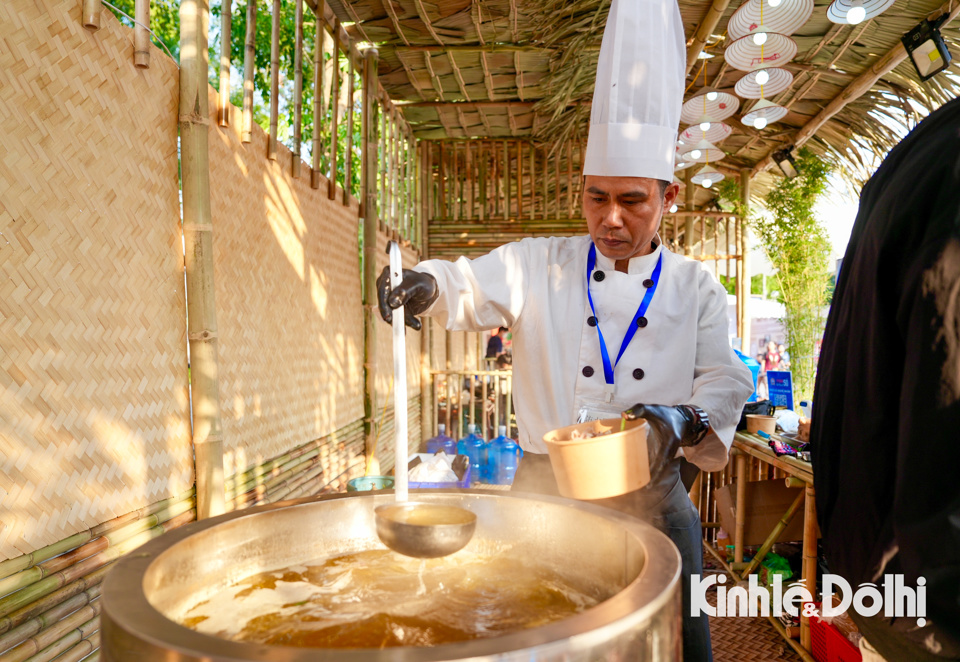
(475, 448)
(442, 442)
(504, 457)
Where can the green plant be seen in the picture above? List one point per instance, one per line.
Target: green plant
(797, 246)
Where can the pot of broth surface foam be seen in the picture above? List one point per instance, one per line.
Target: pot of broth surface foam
(631, 567)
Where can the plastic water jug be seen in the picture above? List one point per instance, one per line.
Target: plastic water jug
(502, 459)
(442, 442)
(475, 448)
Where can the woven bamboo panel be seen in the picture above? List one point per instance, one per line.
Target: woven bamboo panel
(438, 345)
(287, 273)
(93, 402)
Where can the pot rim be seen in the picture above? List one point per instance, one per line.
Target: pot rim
(125, 605)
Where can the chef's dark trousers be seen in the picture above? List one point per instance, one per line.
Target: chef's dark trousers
(664, 504)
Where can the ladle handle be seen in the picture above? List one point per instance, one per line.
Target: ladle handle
(399, 378)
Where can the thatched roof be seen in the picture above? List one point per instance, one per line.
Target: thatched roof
(525, 68)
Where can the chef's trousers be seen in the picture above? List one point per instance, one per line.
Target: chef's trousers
(664, 504)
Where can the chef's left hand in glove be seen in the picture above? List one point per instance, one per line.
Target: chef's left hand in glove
(670, 428)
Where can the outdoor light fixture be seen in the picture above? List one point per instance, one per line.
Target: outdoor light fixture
(703, 152)
(762, 77)
(759, 38)
(926, 48)
(704, 126)
(762, 113)
(856, 11)
(784, 159)
(770, 16)
(711, 96)
(673, 209)
(707, 177)
(708, 105)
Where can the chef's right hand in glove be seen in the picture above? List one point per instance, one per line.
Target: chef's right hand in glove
(670, 428)
(416, 292)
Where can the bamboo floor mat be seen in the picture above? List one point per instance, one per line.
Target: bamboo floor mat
(745, 639)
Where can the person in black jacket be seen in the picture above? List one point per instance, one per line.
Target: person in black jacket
(885, 433)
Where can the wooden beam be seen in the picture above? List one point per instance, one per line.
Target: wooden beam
(370, 218)
(860, 86)
(319, 88)
(388, 5)
(223, 99)
(433, 77)
(91, 14)
(815, 75)
(703, 31)
(498, 47)
(202, 333)
(141, 33)
(297, 87)
(249, 63)
(274, 81)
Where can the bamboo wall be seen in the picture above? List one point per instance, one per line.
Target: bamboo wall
(93, 373)
(484, 193)
(287, 277)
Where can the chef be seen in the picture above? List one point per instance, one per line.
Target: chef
(603, 322)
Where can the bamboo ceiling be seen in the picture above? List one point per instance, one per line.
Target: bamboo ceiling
(525, 69)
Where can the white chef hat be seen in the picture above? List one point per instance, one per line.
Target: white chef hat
(639, 91)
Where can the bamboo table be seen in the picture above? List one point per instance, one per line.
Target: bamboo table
(799, 474)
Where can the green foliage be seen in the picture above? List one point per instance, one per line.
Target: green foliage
(729, 284)
(797, 246)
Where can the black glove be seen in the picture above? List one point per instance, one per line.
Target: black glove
(416, 292)
(670, 428)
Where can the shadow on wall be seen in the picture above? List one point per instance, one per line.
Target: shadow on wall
(289, 307)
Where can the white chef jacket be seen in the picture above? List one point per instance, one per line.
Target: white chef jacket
(538, 288)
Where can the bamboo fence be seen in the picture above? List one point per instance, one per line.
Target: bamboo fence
(49, 598)
(94, 417)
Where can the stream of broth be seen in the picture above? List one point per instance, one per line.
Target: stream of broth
(379, 599)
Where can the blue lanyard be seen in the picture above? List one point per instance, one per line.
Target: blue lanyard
(641, 311)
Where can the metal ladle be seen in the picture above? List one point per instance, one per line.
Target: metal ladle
(411, 528)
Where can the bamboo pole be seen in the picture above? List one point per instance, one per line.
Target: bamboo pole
(198, 243)
(507, 205)
(249, 64)
(382, 163)
(319, 89)
(745, 288)
(90, 10)
(569, 179)
(334, 112)
(223, 96)
(519, 179)
(297, 88)
(368, 175)
(741, 516)
(809, 567)
(274, 80)
(394, 169)
(141, 34)
(348, 148)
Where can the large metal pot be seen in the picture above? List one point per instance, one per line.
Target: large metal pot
(586, 543)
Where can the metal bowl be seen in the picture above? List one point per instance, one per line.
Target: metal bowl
(590, 545)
